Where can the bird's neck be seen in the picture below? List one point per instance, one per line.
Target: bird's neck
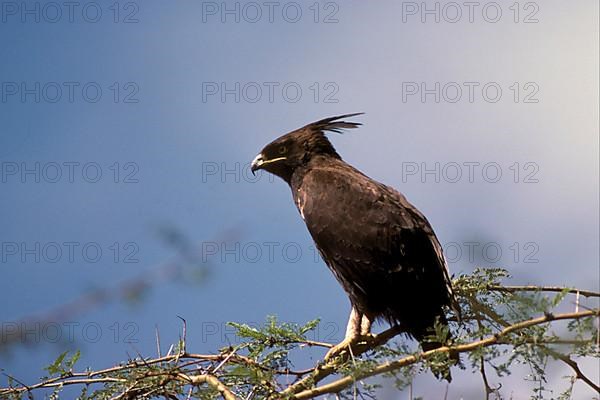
(318, 161)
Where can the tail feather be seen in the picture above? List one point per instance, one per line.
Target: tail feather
(427, 345)
(443, 373)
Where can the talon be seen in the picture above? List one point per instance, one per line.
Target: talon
(368, 338)
(339, 348)
(358, 335)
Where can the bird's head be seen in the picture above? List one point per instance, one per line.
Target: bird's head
(282, 156)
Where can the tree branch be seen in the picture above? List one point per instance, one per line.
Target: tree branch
(323, 371)
(264, 367)
(532, 288)
(342, 383)
(197, 380)
(567, 360)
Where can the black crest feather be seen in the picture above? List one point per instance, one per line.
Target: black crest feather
(333, 124)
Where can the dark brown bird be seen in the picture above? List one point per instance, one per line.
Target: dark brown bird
(380, 248)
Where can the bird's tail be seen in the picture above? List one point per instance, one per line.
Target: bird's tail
(422, 336)
(444, 371)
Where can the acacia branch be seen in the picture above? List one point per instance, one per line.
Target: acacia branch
(342, 383)
(488, 389)
(567, 360)
(184, 368)
(324, 370)
(92, 377)
(211, 380)
(532, 288)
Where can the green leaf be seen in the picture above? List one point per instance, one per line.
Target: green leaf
(56, 368)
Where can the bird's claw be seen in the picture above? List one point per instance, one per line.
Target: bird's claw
(338, 349)
(349, 345)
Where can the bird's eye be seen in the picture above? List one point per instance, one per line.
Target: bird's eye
(282, 150)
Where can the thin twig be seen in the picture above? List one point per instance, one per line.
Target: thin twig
(488, 389)
(157, 334)
(532, 288)
(567, 360)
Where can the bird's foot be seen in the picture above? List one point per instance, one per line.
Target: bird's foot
(350, 346)
(340, 348)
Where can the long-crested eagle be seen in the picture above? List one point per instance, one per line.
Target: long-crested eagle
(380, 248)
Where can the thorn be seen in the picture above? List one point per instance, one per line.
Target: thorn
(157, 334)
(184, 336)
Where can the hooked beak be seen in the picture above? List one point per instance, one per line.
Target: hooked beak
(259, 161)
(256, 164)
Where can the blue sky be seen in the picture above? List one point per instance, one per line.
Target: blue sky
(140, 101)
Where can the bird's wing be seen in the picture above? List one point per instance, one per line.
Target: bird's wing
(367, 231)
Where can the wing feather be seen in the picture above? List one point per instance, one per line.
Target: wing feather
(379, 246)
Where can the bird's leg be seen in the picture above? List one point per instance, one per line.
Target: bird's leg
(365, 326)
(354, 330)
